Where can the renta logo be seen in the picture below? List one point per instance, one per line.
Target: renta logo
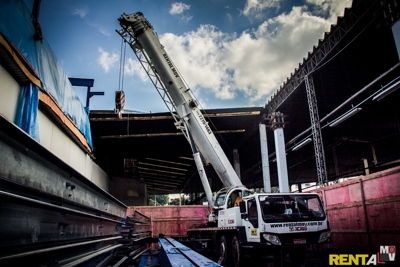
(386, 254)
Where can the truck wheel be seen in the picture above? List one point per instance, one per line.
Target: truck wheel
(297, 255)
(236, 253)
(223, 251)
(279, 257)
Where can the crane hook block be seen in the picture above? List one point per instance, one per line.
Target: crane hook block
(119, 100)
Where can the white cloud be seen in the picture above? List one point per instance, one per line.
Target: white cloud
(269, 54)
(178, 8)
(101, 29)
(199, 57)
(255, 7)
(81, 12)
(229, 17)
(185, 18)
(254, 63)
(104, 31)
(329, 9)
(133, 67)
(107, 60)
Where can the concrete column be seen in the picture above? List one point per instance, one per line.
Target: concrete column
(281, 161)
(265, 159)
(366, 167)
(277, 124)
(299, 186)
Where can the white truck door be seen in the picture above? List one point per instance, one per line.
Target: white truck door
(252, 221)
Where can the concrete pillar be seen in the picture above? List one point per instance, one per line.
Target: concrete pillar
(265, 159)
(299, 186)
(366, 167)
(283, 178)
(277, 124)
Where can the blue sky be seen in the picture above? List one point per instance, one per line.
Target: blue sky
(232, 53)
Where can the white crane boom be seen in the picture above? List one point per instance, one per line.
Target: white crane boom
(140, 35)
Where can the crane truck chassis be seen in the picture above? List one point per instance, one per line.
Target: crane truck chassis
(241, 222)
(262, 224)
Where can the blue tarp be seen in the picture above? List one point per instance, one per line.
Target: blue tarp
(16, 25)
(26, 117)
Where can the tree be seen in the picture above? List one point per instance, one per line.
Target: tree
(175, 201)
(158, 200)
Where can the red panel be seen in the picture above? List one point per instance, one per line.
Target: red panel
(173, 220)
(338, 196)
(346, 214)
(382, 187)
(355, 193)
(384, 216)
(350, 242)
(383, 239)
(348, 219)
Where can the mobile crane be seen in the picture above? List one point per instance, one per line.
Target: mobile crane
(241, 221)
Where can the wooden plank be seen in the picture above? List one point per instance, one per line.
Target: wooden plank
(20, 60)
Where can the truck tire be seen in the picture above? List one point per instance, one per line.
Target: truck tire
(297, 255)
(236, 252)
(223, 250)
(279, 258)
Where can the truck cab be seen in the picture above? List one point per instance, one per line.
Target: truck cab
(284, 219)
(226, 206)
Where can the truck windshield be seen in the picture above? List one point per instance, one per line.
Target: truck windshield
(232, 197)
(289, 207)
(220, 200)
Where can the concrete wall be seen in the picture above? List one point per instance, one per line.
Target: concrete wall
(97, 175)
(9, 93)
(51, 135)
(57, 141)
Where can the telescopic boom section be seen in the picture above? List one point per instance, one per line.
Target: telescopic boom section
(184, 104)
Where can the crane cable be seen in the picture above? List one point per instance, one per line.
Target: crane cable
(122, 65)
(120, 95)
